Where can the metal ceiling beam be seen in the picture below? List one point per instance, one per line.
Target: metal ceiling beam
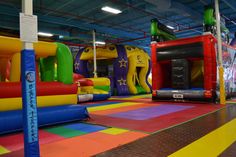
(86, 18)
(60, 7)
(177, 7)
(73, 23)
(151, 14)
(109, 15)
(231, 4)
(87, 11)
(55, 31)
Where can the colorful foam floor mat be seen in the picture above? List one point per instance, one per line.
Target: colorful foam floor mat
(66, 139)
(115, 122)
(140, 113)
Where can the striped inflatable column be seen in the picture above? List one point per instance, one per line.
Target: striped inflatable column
(81, 66)
(149, 70)
(120, 71)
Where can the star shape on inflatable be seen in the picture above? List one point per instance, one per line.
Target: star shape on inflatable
(122, 81)
(77, 66)
(122, 63)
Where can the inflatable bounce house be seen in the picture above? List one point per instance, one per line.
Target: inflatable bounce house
(186, 69)
(56, 92)
(127, 67)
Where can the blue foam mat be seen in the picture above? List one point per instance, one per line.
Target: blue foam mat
(85, 127)
(99, 97)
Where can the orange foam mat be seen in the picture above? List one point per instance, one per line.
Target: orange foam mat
(124, 109)
(88, 145)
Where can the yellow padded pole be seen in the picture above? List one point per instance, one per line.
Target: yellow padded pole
(222, 85)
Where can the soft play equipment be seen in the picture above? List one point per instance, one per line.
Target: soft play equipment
(92, 89)
(54, 97)
(127, 67)
(186, 69)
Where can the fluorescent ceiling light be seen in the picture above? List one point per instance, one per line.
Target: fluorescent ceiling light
(111, 10)
(100, 42)
(45, 34)
(171, 27)
(61, 36)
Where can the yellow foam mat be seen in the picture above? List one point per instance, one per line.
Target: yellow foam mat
(7, 104)
(100, 108)
(114, 131)
(132, 97)
(3, 150)
(231, 102)
(212, 144)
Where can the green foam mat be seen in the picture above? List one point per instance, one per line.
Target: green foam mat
(65, 132)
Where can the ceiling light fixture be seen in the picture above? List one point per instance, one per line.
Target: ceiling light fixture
(100, 42)
(171, 27)
(111, 10)
(45, 34)
(61, 36)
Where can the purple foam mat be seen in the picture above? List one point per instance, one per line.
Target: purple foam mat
(150, 112)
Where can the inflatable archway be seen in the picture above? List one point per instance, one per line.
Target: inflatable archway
(127, 67)
(43, 50)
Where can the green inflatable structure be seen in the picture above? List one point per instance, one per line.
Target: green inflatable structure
(63, 72)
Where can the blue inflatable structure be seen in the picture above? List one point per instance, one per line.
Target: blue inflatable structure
(11, 121)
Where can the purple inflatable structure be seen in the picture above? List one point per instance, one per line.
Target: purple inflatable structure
(233, 42)
(118, 77)
(81, 66)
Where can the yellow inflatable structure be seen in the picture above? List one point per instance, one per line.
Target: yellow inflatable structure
(10, 49)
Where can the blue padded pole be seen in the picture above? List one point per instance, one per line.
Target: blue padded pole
(30, 119)
(28, 80)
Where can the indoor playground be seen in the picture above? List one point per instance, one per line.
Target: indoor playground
(117, 78)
